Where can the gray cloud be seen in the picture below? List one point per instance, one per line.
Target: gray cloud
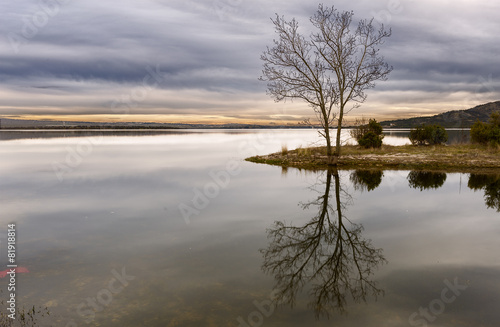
(77, 56)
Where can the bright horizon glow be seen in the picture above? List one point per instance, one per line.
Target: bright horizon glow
(380, 115)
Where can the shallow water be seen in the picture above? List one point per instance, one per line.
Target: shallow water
(175, 229)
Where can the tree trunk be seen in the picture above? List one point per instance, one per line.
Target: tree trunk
(339, 130)
(331, 158)
(335, 173)
(329, 151)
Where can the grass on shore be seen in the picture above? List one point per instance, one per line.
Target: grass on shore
(459, 158)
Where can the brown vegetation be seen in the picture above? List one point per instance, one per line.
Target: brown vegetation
(461, 157)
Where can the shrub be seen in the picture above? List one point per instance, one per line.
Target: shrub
(418, 135)
(368, 135)
(370, 140)
(487, 133)
(428, 135)
(438, 135)
(479, 133)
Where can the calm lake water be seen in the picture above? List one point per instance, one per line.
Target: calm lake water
(174, 228)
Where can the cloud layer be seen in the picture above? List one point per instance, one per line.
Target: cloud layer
(201, 58)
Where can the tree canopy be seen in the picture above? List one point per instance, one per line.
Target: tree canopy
(329, 69)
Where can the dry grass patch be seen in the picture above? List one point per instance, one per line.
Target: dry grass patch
(461, 157)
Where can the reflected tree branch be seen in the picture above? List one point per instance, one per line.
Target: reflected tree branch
(328, 255)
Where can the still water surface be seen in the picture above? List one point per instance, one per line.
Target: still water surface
(176, 229)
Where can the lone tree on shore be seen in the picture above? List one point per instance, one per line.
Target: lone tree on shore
(331, 68)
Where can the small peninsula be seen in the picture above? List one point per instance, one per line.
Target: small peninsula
(449, 158)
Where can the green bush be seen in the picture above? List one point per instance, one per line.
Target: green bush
(370, 140)
(375, 127)
(479, 133)
(368, 135)
(438, 135)
(418, 136)
(428, 135)
(487, 133)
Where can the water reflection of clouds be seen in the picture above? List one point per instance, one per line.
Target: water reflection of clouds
(119, 210)
(439, 236)
(417, 288)
(328, 255)
(446, 225)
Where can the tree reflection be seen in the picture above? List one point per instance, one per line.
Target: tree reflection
(366, 179)
(423, 180)
(328, 255)
(491, 186)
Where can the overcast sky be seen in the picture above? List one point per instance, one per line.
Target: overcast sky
(196, 60)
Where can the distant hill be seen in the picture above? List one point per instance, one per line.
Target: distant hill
(450, 119)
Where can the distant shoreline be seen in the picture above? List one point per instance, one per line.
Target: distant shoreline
(72, 128)
(111, 128)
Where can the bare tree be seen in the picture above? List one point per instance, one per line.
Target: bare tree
(330, 69)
